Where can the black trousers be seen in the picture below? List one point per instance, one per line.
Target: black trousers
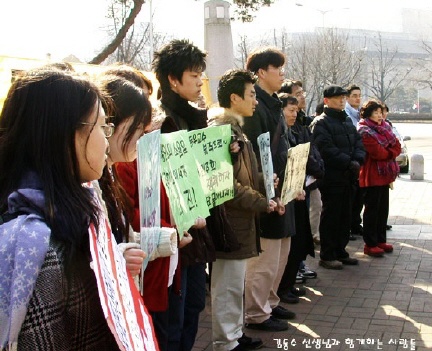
(301, 246)
(335, 222)
(375, 215)
(357, 207)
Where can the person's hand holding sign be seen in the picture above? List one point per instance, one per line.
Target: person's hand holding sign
(280, 207)
(272, 206)
(186, 240)
(301, 196)
(134, 259)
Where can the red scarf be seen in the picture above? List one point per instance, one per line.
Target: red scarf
(384, 135)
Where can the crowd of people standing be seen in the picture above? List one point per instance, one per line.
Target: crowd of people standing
(68, 161)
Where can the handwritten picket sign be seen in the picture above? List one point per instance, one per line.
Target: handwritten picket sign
(181, 180)
(148, 165)
(121, 302)
(266, 164)
(210, 147)
(295, 172)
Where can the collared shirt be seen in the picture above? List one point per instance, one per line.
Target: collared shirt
(353, 114)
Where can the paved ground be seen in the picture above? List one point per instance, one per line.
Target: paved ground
(383, 300)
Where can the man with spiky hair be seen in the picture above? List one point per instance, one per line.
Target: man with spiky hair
(179, 66)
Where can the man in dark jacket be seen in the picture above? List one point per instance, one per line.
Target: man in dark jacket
(263, 273)
(342, 151)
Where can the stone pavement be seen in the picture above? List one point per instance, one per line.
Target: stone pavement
(382, 304)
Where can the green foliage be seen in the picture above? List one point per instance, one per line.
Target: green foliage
(244, 9)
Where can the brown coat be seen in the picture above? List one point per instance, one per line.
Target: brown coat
(243, 209)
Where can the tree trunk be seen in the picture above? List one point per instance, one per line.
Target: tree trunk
(115, 43)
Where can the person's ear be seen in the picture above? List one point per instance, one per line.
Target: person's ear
(234, 98)
(261, 73)
(173, 82)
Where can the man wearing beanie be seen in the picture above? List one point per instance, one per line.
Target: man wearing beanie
(342, 151)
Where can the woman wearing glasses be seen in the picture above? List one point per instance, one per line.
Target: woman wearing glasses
(52, 139)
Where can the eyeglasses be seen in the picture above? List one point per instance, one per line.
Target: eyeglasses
(108, 128)
(280, 69)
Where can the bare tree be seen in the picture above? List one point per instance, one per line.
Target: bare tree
(322, 58)
(425, 66)
(387, 71)
(122, 31)
(243, 51)
(134, 49)
(244, 10)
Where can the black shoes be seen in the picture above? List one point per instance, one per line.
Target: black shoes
(239, 347)
(282, 313)
(271, 324)
(301, 291)
(248, 343)
(389, 227)
(289, 297)
(349, 261)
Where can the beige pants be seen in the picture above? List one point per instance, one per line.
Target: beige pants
(227, 288)
(315, 206)
(263, 275)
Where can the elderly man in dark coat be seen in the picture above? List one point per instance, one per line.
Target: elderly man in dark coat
(342, 151)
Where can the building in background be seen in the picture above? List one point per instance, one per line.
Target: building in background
(218, 42)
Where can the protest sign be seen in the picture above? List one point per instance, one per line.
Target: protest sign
(295, 172)
(148, 165)
(197, 173)
(266, 164)
(121, 302)
(210, 146)
(180, 177)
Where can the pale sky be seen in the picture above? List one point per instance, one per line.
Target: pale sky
(33, 28)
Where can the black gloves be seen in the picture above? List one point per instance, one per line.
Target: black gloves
(354, 168)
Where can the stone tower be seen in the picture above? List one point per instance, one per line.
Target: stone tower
(217, 42)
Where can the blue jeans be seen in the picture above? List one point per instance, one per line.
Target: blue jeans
(185, 308)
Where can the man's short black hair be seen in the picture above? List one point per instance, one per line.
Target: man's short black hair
(233, 82)
(288, 84)
(287, 99)
(176, 57)
(264, 57)
(351, 88)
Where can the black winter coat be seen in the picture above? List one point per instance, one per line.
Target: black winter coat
(339, 143)
(268, 118)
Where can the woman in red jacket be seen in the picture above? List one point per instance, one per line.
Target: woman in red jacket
(377, 173)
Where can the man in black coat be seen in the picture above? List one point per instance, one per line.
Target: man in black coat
(263, 273)
(342, 151)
